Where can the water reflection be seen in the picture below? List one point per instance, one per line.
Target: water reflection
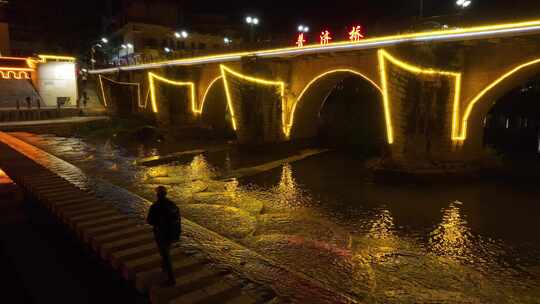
(287, 188)
(391, 243)
(452, 238)
(383, 226)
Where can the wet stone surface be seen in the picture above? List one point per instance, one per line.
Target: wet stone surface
(323, 219)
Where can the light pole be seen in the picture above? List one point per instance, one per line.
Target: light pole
(252, 22)
(100, 44)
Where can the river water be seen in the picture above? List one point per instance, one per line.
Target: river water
(324, 217)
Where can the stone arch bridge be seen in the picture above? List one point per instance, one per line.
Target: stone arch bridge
(435, 87)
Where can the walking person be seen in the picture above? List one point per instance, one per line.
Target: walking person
(164, 217)
(85, 99)
(28, 103)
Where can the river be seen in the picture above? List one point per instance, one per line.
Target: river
(323, 216)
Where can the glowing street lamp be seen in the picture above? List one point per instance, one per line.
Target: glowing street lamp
(463, 3)
(303, 28)
(227, 40)
(167, 50)
(104, 40)
(129, 46)
(123, 46)
(181, 34)
(252, 22)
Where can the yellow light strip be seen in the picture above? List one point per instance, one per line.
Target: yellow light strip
(44, 58)
(383, 55)
(152, 76)
(475, 100)
(16, 69)
(13, 58)
(6, 74)
(200, 110)
(102, 90)
(489, 31)
(386, 102)
(288, 127)
(128, 84)
(225, 70)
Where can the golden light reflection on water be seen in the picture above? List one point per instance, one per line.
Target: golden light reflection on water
(287, 189)
(383, 225)
(381, 236)
(452, 238)
(159, 171)
(199, 168)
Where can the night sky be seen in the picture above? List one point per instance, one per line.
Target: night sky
(75, 22)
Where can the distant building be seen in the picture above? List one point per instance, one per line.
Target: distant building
(145, 32)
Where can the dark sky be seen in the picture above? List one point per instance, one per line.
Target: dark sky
(82, 19)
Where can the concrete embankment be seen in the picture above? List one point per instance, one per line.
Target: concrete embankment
(61, 126)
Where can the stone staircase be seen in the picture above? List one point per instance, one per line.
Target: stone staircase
(12, 90)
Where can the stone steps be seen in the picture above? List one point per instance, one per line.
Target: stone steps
(118, 240)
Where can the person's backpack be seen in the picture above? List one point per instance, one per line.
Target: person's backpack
(175, 224)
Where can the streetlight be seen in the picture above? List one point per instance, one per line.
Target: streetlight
(181, 34)
(167, 50)
(104, 40)
(303, 28)
(129, 46)
(227, 40)
(463, 3)
(252, 22)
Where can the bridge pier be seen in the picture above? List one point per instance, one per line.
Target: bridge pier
(256, 103)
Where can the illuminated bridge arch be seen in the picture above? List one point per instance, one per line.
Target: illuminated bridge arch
(479, 106)
(106, 102)
(305, 112)
(152, 78)
(214, 109)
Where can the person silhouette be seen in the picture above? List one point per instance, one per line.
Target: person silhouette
(164, 217)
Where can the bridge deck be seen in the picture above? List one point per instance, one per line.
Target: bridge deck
(118, 239)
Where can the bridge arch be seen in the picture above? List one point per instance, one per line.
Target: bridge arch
(214, 110)
(472, 128)
(305, 113)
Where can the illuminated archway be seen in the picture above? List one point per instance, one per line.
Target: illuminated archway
(305, 111)
(152, 77)
(279, 84)
(136, 85)
(480, 105)
(214, 108)
(206, 92)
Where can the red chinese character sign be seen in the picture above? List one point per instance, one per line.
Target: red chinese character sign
(325, 37)
(355, 34)
(300, 41)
